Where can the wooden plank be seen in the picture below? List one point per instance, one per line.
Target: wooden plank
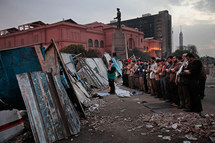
(60, 111)
(37, 78)
(81, 96)
(79, 84)
(40, 57)
(54, 116)
(24, 46)
(79, 106)
(51, 61)
(71, 114)
(32, 108)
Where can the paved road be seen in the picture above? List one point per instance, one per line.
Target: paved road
(209, 101)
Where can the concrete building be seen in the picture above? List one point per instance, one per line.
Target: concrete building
(92, 36)
(158, 27)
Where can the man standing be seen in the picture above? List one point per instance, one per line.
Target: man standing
(193, 71)
(111, 76)
(152, 76)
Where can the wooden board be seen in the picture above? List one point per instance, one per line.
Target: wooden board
(71, 114)
(51, 113)
(32, 107)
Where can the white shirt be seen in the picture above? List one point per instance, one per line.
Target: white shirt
(153, 67)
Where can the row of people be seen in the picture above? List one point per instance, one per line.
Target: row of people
(180, 80)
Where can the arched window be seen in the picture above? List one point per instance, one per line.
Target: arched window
(147, 49)
(130, 43)
(96, 43)
(101, 44)
(144, 48)
(90, 43)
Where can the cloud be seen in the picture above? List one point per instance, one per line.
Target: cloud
(187, 13)
(208, 50)
(205, 5)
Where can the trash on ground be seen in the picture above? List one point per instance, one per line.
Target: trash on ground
(137, 93)
(167, 138)
(186, 142)
(190, 137)
(192, 124)
(122, 93)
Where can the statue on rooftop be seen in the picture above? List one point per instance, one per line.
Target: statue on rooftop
(118, 17)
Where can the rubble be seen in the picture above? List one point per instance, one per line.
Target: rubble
(167, 138)
(192, 124)
(212, 138)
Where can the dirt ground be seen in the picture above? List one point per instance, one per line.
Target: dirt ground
(119, 120)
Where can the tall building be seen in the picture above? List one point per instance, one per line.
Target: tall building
(158, 27)
(181, 40)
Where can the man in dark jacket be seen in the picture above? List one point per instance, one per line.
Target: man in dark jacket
(193, 71)
(111, 76)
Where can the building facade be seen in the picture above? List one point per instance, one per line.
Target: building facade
(92, 36)
(158, 27)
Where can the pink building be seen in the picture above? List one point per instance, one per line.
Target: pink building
(92, 36)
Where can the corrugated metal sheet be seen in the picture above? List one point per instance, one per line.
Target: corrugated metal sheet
(51, 113)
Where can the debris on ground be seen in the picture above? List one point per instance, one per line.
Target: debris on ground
(212, 138)
(192, 124)
(122, 93)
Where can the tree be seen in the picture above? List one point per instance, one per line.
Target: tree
(139, 54)
(186, 49)
(74, 49)
(109, 52)
(179, 52)
(191, 49)
(93, 53)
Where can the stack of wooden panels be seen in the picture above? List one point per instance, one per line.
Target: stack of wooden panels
(50, 111)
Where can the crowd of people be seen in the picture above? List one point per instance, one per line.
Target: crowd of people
(178, 80)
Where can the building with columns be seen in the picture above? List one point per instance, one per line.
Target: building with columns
(95, 35)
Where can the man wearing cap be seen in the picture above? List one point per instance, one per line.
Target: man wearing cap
(111, 76)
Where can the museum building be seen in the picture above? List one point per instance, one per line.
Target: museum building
(95, 35)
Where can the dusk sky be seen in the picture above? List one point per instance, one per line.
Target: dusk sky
(197, 17)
